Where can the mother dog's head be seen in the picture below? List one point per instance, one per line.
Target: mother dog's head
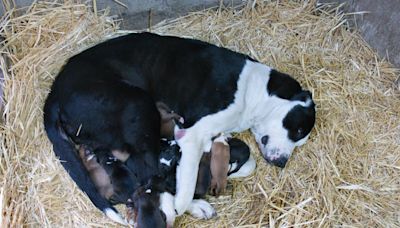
(283, 119)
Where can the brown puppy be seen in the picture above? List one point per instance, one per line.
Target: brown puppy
(203, 176)
(97, 173)
(168, 120)
(220, 156)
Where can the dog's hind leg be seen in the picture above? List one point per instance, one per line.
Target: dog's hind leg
(72, 163)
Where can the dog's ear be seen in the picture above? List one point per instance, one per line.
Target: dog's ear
(304, 96)
(282, 85)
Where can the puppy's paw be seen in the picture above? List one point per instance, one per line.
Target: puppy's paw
(214, 190)
(130, 213)
(217, 187)
(201, 209)
(115, 216)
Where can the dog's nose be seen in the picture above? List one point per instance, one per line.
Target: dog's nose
(280, 162)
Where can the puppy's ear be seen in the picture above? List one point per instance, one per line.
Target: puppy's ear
(304, 95)
(156, 183)
(163, 108)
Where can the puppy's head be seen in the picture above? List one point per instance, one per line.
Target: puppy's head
(168, 120)
(169, 156)
(146, 204)
(288, 121)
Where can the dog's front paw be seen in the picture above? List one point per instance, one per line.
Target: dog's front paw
(167, 206)
(201, 209)
(181, 203)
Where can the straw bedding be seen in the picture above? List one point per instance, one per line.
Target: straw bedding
(346, 175)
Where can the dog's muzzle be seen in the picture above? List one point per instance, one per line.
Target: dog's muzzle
(275, 157)
(280, 161)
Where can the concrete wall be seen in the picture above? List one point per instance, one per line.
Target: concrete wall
(136, 12)
(136, 15)
(380, 27)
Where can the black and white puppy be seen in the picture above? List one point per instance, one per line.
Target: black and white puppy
(105, 97)
(241, 164)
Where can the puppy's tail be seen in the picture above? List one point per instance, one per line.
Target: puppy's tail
(66, 152)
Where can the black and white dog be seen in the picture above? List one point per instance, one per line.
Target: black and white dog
(105, 98)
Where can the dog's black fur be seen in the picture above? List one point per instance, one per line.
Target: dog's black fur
(105, 97)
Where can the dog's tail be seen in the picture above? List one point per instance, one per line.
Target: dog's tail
(68, 156)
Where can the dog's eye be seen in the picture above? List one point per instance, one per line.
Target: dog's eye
(300, 131)
(264, 140)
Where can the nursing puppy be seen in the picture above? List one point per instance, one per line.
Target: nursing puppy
(112, 177)
(204, 176)
(240, 164)
(97, 173)
(114, 180)
(215, 161)
(144, 206)
(239, 153)
(116, 183)
(214, 166)
(215, 89)
(169, 161)
(220, 156)
(168, 120)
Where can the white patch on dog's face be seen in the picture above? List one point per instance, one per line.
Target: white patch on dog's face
(270, 125)
(278, 124)
(281, 130)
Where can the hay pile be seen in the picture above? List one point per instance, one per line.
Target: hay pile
(347, 174)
